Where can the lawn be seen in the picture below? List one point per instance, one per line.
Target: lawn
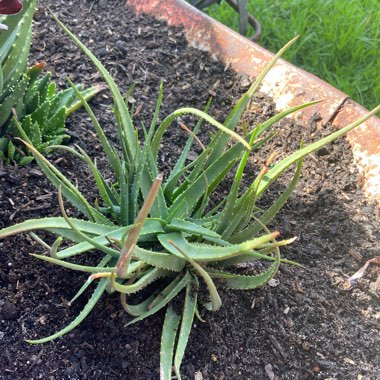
(340, 41)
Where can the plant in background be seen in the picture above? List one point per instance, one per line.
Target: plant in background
(40, 109)
(42, 116)
(349, 45)
(150, 228)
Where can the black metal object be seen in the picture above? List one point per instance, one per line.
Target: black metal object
(239, 6)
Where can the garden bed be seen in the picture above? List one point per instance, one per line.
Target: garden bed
(307, 326)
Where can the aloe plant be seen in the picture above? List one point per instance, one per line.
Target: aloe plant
(40, 109)
(41, 118)
(162, 229)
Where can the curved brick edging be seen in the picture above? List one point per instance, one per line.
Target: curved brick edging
(285, 83)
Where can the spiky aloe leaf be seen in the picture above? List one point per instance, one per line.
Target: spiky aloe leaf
(104, 248)
(157, 110)
(55, 246)
(11, 150)
(279, 168)
(100, 289)
(10, 101)
(190, 228)
(192, 111)
(68, 189)
(1, 80)
(56, 126)
(186, 324)
(22, 161)
(149, 277)
(21, 90)
(6, 41)
(15, 62)
(216, 302)
(53, 224)
(144, 172)
(252, 282)
(229, 208)
(106, 259)
(179, 167)
(128, 129)
(233, 195)
(139, 309)
(209, 253)
(169, 332)
(268, 215)
(108, 149)
(77, 267)
(246, 258)
(104, 190)
(188, 199)
(105, 236)
(165, 297)
(219, 142)
(42, 85)
(87, 94)
(33, 73)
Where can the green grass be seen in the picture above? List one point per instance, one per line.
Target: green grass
(340, 41)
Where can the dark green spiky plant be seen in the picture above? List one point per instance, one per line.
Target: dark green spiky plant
(152, 229)
(40, 109)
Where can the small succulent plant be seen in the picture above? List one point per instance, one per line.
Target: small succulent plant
(161, 228)
(41, 118)
(39, 110)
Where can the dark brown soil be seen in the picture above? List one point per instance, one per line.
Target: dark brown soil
(306, 327)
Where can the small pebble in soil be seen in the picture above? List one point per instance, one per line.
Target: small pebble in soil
(273, 282)
(269, 371)
(324, 151)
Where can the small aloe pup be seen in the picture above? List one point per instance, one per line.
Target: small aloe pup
(162, 229)
(40, 109)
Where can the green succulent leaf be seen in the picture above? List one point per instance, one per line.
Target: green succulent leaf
(139, 309)
(165, 297)
(208, 252)
(294, 157)
(216, 302)
(128, 130)
(169, 333)
(100, 289)
(54, 224)
(11, 99)
(268, 215)
(190, 228)
(186, 324)
(149, 277)
(65, 264)
(235, 281)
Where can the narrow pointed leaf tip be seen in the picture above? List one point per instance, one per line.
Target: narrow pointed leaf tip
(216, 301)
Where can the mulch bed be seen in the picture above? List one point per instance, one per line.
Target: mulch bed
(306, 327)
